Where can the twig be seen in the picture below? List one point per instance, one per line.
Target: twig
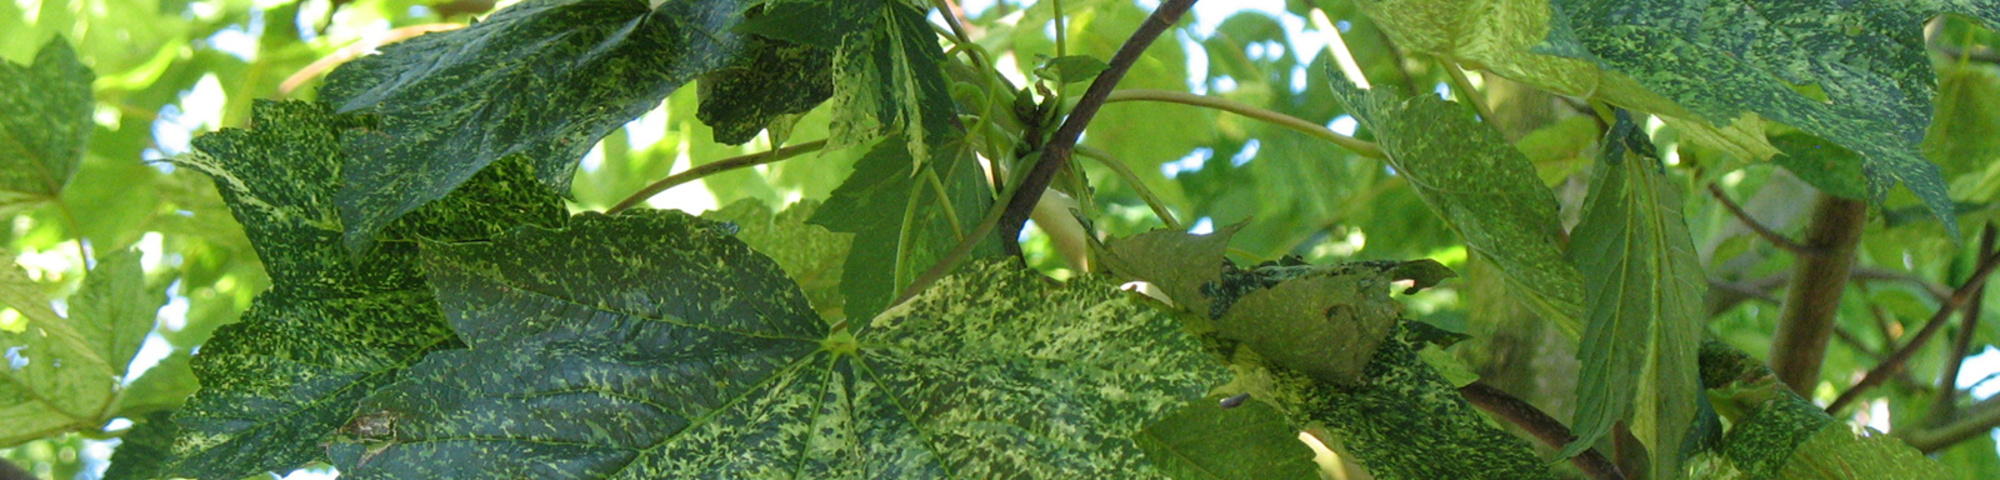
(711, 168)
(1947, 385)
(1937, 292)
(1778, 239)
(1055, 154)
(1976, 420)
(1132, 179)
(1462, 87)
(1541, 425)
(1959, 298)
(1359, 147)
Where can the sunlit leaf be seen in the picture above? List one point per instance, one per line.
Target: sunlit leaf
(1853, 73)
(61, 374)
(1407, 421)
(1645, 289)
(1500, 36)
(902, 223)
(1206, 441)
(544, 79)
(1478, 182)
(670, 350)
(812, 255)
(44, 121)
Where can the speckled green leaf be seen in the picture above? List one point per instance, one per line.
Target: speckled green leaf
(888, 74)
(143, 450)
(1645, 288)
(654, 345)
(1854, 73)
(902, 223)
(1840, 452)
(1407, 423)
(333, 327)
(44, 122)
(1500, 36)
(1206, 441)
(546, 79)
(1469, 174)
(810, 254)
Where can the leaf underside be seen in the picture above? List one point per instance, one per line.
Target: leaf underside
(669, 350)
(1866, 60)
(1645, 287)
(548, 80)
(1468, 173)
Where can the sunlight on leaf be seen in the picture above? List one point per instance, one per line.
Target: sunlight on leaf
(44, 123)
(653, 345)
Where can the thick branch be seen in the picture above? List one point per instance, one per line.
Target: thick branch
(1959, 298)
(1541, 425)
(1805, 325)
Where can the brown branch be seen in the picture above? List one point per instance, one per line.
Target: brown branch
(1947, 385)
(1937, 292)
(1778, 239)
(1545, 428)
(1806, 319)
(711, 168)
(1959, 298)
(1055, 154)
(1976, 420)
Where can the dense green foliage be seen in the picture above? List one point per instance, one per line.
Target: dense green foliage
(444, 239)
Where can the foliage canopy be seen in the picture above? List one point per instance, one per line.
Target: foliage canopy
(442, 239)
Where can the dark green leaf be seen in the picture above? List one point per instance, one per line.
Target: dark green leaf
(1645, 287)
(44, 123)
(1469, 174)
(654, 345)
(888, 77)
(290, 372)
(333, 328)
(545, 79)
(1250, 441)
(144, 451)
(1853, 73)
(902, 223)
